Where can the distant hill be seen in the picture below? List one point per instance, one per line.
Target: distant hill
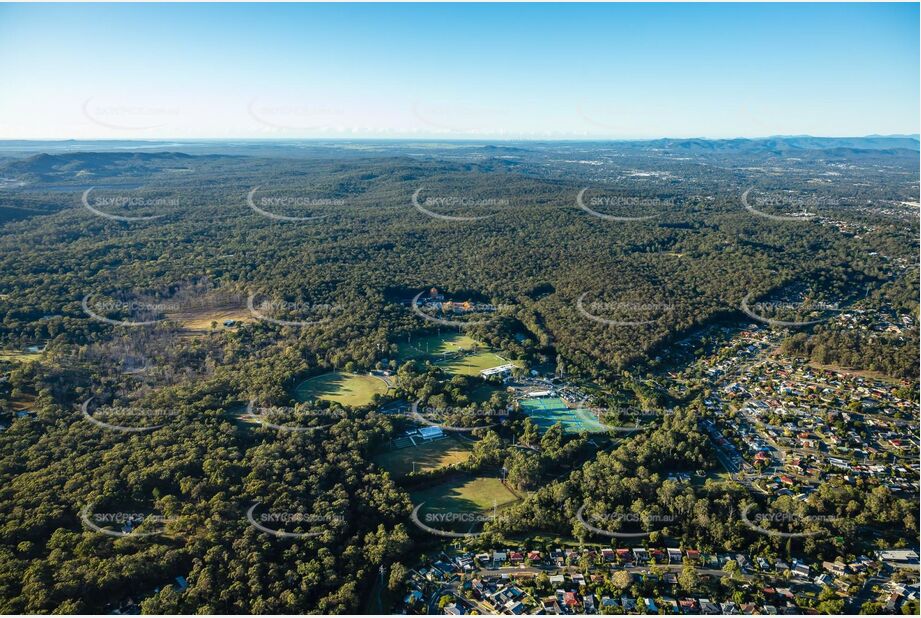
(85, 166)
(792, 144)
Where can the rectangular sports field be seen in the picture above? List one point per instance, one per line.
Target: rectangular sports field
(547, 411)
(465, 494)
(428, 456)
(472, 364)
(434, 346)
(452, 351)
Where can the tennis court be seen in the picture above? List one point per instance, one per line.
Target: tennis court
(547, 411)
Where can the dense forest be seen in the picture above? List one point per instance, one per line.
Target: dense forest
(100, 298)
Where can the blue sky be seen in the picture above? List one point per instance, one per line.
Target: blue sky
(461, 71)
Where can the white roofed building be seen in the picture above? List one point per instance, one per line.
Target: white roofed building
(501, 370)
(431, 433)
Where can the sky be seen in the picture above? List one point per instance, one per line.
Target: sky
(462, 71)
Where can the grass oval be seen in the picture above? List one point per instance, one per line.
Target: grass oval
(349, 389)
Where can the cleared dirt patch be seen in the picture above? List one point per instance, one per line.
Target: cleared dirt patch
(200, 321)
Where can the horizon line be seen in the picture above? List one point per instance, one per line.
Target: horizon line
(916, 136)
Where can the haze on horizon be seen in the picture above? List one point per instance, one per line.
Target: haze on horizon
(457, 71)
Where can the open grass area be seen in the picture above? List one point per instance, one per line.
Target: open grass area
(547, 411)
(462, 504)
(719, 475)
(439, 348)
(19, 356)
(198, 321)
(472, 364)
(465, 495)
(431, 347)
(429, 456)
(862, 373)
(349, 389)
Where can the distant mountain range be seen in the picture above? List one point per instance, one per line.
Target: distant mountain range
(122, 160)
(776, 143)
(787, 145)
(85, 166)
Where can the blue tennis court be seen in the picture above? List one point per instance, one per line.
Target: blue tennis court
(547, 411)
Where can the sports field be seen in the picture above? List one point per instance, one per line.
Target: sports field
(465, 495)
(428, 456)
(349, 389)
(472, 364)
(434, 346)
(443, 350)
(547, 411)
